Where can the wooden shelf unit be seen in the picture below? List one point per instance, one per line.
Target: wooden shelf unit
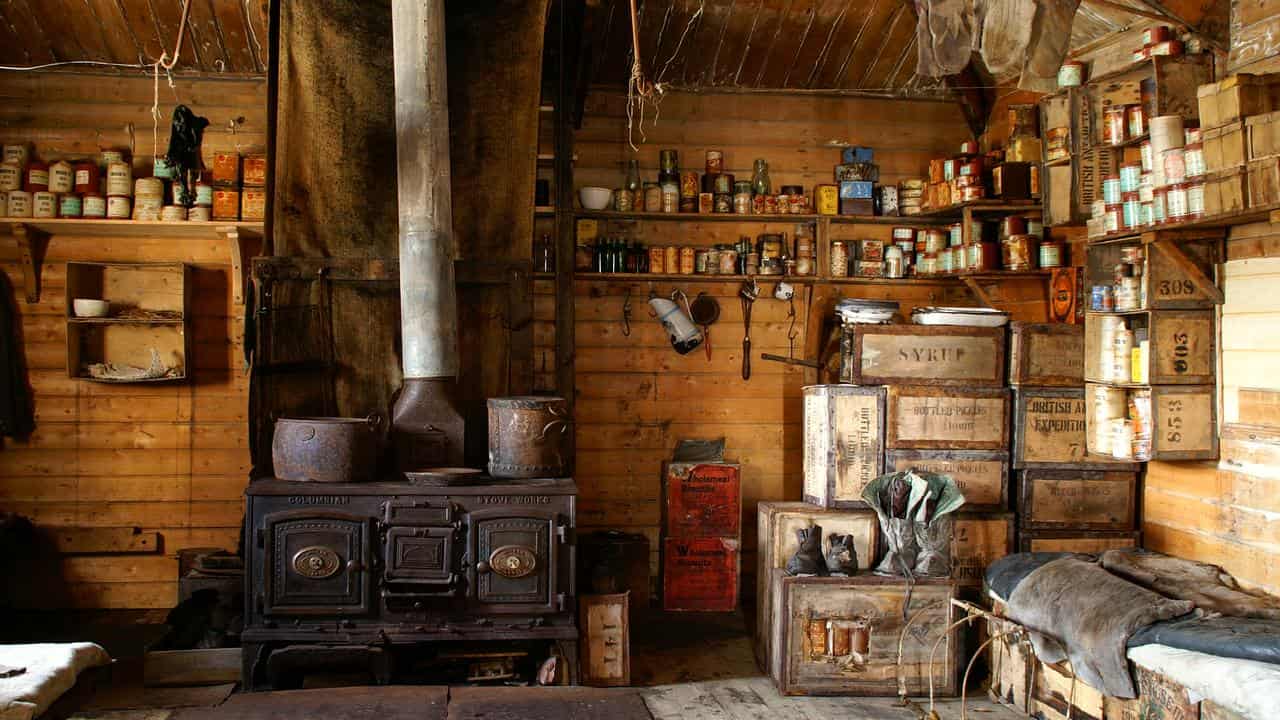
(33, 234)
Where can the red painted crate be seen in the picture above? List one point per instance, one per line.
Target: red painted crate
(702, 500)
(700, 574)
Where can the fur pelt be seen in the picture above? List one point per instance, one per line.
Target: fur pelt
(1208, 586)
(1075, 609)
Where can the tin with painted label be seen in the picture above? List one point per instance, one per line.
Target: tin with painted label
(226, 204)
(204, 194)
(18, 153)
(1111, 190)
(86, 177)
(1050, 254)
(94, 206)
(253, 203)
(173, 213)
(1193, 155)
(119, 180)
(1176, 203)
(1160, 205)
(70, 206)
(1175, 165)
(36, 178)
(118, 207)
(1130, 178)
(161, 168)
(107, 157)
(19, 203)
(200, 213)
(1071, 74)
(255, 170)
(1136, 117)
(149, 188)
(1195, 200)
(226, 169)
(715, 162)
(10, 176)
(1131, 211)
(687, 260)
(44, 204)
(61, 179)
(1114, 126)
(828, 199)
(1148, 159)
(1112, 219)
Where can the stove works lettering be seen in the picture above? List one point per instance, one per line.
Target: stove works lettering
(319, 500)
(514, 500)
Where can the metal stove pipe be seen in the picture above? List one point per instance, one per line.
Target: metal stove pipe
(426, 424)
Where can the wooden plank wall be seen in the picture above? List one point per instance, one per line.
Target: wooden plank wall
(636, 397)
(1254, 28)
(1218, 512)
(167, 458)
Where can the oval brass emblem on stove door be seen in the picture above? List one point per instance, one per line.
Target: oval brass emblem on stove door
(316, 562)
(513, 561)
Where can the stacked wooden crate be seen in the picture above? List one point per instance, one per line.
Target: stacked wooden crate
(1240, 142)
(1067, 500)
(702, 536)
(947, 411)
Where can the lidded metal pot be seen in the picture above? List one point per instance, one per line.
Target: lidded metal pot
(528, 437)
(326, 449)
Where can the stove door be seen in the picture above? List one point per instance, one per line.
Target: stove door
(513, 560)
(422, 556)
(317, 563)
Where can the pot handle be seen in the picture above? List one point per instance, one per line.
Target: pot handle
(564, 427)
(375, 421)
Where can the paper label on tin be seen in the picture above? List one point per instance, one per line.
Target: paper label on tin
(44, 205)
(38, 177)
(60, 180)
(10, 177)
(82, 177)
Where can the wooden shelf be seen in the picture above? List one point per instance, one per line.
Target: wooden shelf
(1127, 143)
(1125, 386)
(1007, 274)
(124, 321)
(1268, 213)
(984, 206)
(899, 220)
(33, 236)
(696, 217)
(679, 277)
(544, 210)
(1060, 161)
(1119, 313)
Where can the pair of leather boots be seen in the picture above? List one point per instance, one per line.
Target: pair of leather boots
(841, 558)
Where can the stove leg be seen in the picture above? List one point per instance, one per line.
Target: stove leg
(569, 654)
(252, 657)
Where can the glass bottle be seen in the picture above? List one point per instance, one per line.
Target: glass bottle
(633, 178)
(546, 255)
(597, 255)
(760, 184)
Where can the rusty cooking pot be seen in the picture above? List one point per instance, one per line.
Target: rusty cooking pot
(527, 436)
(326, 449)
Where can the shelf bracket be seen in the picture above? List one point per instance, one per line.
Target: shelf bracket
(1184, 263)
(32, 243)
(237, 248)
(978, 292)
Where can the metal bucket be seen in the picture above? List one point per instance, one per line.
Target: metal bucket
(528, 437)
(326, 449)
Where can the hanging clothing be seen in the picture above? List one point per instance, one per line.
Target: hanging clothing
(17, 418)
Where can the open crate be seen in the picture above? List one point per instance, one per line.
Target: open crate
(148, 311)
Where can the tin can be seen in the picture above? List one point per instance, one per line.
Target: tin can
(949, 169)
(827, 198)
(161, 168)
(204, 194)
(670, 197)
(722, 203)
(700, 257)
(226, 204)
(1050, 254)
(255, 170)
(728, 260)
(742, 199)
(1128, 294)
(1071, 74)
(652, 197)
(1111, 190)
(1175, 166)
(61, 178)
(94, 206)
(706, 203)
(148, 188)
(145, 211)
(1176, 203)
(200, 213)
(770, 204)
(671, 259)
(1146, 187)
(945, 265)
(70, 206)
(173, 213)
(1148, 161)
(1148, 214)
(687, 260)
(1160, 205)
(1191, 136)
(839, 259)
(689, 205)
(1193, 156)
(119, 207)
(798, 204)
(1035, 227)
(86, 177)
(715, 162)
(1095, 297)
(226, 169)
(107, 157)
(10, 176)
(1114, 125)
(955, 235)
(1130, 178)
(1137, 120)
(657, 256)
(935, 240)
(119, 179)
(1012, 225)
(44, 204)
(1131, 212)
(36, 178)
(18, 153)
(970, 193)
(4, 204)
(19, 204)
(1113, 219)
(622, 200)
(689, 184)
(1195, 200)
(253, 203)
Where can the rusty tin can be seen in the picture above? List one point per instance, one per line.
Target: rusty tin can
(527, 437)
(325, 449)
(254, 168)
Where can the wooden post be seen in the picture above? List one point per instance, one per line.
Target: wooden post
(571, 14)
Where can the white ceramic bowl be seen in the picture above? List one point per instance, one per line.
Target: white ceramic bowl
(85, 307)
(595, 198)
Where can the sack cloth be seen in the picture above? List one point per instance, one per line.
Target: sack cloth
(1210, 587)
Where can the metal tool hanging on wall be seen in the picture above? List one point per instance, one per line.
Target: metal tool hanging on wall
(705, 310)
(784, 291)
(749, 292)
(684, 335)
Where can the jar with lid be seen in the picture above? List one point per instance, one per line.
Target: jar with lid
(652, 197)
(760, 184)
(893, 262)
(839, 259)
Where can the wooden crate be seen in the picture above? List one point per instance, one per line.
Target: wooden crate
(1262, 133)
(776, 524)
(161, 287)
(1235, 98)
(926, 355)
(1225, 147)
(1077, 541)
(702, 499)
(1264, 181)
(982, 475)
(943, 418)
(980, 539)
(1048, 426)
(1046, 354)
(605, 645)
(843, 443)
(818, 625)
(1168, 285)
(700, 574)
(1226, 192)
(1185, 422)
(1077, 499)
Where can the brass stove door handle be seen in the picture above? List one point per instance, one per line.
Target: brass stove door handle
(355, 566)
(482, 566)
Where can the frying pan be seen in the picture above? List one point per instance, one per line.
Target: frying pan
(705, 310)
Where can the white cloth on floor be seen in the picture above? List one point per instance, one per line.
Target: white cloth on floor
(51, 670)
(1247, 687)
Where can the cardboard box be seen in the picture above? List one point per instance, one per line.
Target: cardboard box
(702, 499)
(700, 574)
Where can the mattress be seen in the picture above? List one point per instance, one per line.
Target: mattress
(51, 670)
